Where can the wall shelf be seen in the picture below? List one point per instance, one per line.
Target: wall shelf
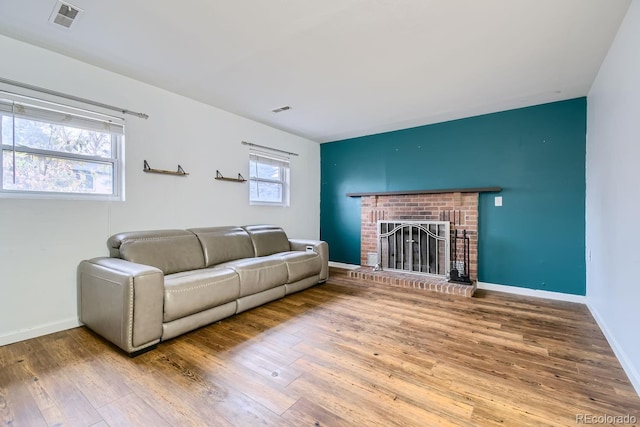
(219, 177)
(179, 172)
(437, 191)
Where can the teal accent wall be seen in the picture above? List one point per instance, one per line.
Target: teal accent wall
(537, 155)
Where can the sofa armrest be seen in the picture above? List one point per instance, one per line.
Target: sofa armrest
(320, 247)
(122, 301)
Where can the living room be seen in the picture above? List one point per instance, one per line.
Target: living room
(565, 165)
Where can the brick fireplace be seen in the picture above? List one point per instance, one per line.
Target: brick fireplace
(420, 207)
(458, 207)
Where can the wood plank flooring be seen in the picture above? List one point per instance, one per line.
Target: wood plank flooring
(343, 353)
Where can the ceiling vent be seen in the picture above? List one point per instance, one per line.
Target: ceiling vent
(281, 109)
(64, 14)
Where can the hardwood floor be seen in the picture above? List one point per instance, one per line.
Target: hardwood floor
(342, 353)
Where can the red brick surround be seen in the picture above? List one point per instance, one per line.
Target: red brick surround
(420, 207)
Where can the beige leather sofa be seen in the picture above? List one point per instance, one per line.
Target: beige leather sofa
(159, 284)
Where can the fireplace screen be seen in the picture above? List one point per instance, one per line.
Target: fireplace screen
(414, 246)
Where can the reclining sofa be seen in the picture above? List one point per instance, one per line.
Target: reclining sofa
(156, 285)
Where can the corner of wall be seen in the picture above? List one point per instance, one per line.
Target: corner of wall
(623, 358)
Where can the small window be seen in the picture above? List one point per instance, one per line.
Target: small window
(268, 180)
(50, 150)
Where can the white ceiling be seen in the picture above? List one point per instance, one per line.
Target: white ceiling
(346, 67)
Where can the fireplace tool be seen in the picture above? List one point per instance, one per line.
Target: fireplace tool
(460, 258)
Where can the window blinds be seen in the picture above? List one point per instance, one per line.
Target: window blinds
(54, 113)
(268, 159)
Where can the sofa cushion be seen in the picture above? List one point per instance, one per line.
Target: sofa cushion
(258, 274)
(171, 251)
(300, 265)
(222, 244)
(191, 292)
(268, 239)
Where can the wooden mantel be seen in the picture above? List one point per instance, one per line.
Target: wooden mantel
(437, 191)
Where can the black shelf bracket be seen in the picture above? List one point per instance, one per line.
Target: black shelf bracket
(220, 177)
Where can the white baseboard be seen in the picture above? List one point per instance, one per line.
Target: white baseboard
(343, 265)
(533, 292)
(629, 368)
(38, 331)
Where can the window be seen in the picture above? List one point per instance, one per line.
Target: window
(57, 151)
(268, 179)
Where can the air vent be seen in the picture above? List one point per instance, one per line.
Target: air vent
(281, 109)
(64, 14)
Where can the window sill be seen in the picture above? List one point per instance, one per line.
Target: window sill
(43, 195)
(280, 205)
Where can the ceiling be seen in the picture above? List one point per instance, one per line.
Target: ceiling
(347, 68)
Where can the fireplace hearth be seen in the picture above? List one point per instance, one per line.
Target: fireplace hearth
(413, 282)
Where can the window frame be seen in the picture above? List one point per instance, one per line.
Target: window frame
(284, 164)
(42, 108)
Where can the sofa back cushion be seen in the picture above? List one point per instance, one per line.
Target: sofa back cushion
(268, 239)
(222, 244)
(172, 251)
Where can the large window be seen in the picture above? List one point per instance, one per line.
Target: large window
(268, 180)
(57, 151)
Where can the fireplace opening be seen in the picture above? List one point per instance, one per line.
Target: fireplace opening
(414, 246)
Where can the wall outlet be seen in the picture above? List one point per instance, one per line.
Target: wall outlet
(498, 201)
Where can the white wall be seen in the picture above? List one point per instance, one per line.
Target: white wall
(42, 241)
(613, 196)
